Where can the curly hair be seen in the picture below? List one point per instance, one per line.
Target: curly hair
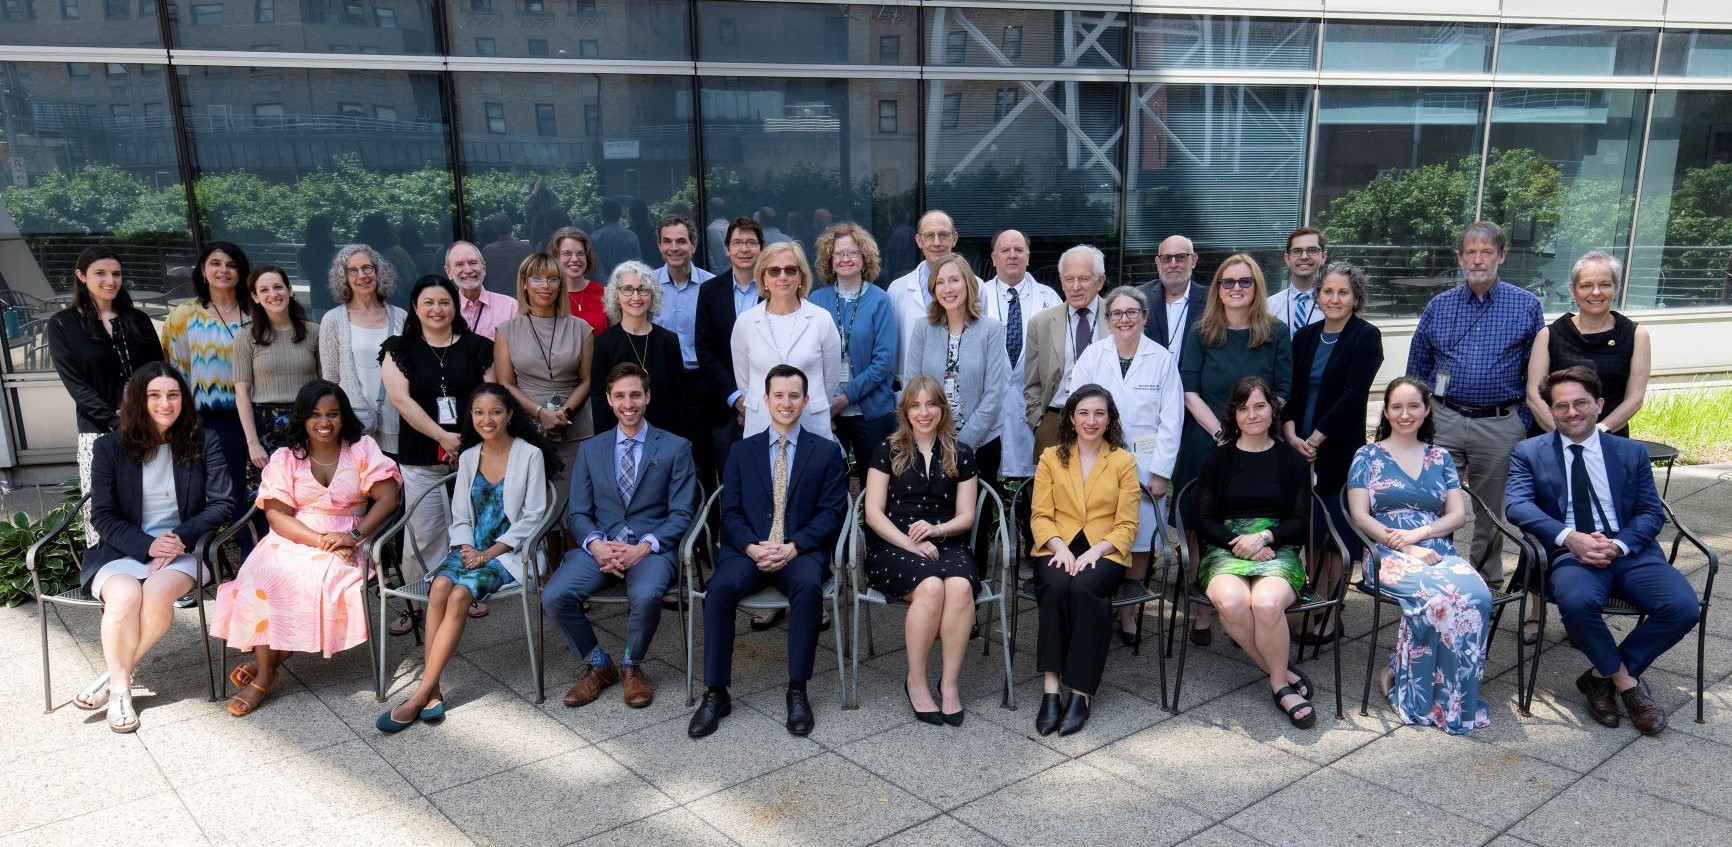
(902, 447)
(517, 426)
(868, 247)
(382, 271)
(138, 435)
(297, 440)
(1114, 435)
(1240, 397)
(645, 277)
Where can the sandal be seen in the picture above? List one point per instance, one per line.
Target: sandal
(240, 706)
(1530, 637)
(121, 716)
(95, 696)
(1306, 722)
(1303, 687)
(403, 625)
(244, 673)
(478, 610)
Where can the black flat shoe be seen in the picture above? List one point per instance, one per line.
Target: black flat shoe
(933, 717)
(799, 713)
(1530, 638)
(1202, 637)
(715, 706)
(1318, 639)
(1129, 639)
(1046, 720)
(1076, 714)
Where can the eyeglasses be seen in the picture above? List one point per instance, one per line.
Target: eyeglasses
(1168, 258)
(1581, 404)
(1124, 314)
(782, 270)
(743, 242)
(1238, 282)
(364, 269)
(845, 255)
(633, 291)
(543, 282)
(941, 235)
(573, 254)
(1076, 280)
(1305, 251)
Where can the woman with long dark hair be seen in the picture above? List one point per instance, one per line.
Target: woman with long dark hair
(198, 339)
(158, 485)
(95, 346)
(276, 354)
(300, 590)
(501, 495)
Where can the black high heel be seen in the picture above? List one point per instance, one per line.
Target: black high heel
(1046, 720)
(935, 718)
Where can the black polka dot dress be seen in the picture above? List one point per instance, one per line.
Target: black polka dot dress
(920, 494)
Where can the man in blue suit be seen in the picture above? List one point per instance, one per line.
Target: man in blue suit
(633, 493)
(1589, 496)
(784, 498)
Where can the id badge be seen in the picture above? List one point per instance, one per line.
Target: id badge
(1145, 443)
(1442, 389)
(847, 371)
(447, 411)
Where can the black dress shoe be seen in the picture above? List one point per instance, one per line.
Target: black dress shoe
(715, 706)
(955, 718)
(933, 717)
(1602, 698)
(1046, 720)
(799, 713)
(1202, 637)
(1076, 713)
(1129, 639)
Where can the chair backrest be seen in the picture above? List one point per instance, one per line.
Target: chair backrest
(42, 547)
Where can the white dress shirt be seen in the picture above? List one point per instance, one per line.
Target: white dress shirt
(1595, 458)
(1017, 439)
(1284, 305)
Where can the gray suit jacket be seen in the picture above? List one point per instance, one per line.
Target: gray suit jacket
(982, 370)
(662, 503)
(1044, 367)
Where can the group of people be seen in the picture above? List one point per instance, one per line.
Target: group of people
(614, 406)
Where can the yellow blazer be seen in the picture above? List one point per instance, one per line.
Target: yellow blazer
(1103, 507)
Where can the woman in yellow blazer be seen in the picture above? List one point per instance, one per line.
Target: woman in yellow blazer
(1085, 516)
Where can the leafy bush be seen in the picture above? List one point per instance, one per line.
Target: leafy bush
(59, 566)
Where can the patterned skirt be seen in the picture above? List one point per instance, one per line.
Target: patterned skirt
(1285, 564)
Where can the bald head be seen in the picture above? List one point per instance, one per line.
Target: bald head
(1178, 259)
(1010, 256)
(937, 235)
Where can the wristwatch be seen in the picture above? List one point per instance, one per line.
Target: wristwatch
(355, 534)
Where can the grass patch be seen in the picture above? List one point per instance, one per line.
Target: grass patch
(1697, 421)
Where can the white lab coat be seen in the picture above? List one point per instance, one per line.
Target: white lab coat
(1016, 438)
(909, 302)
(1150, 398)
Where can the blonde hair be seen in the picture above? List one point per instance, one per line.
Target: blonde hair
(869, 258)
(970, 295)
(799, 259)
(543, 266)
(902, 447)
(1213, 326)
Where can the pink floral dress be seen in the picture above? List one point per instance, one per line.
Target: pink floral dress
(289, 596)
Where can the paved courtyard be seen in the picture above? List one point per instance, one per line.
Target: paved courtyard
(309, 768)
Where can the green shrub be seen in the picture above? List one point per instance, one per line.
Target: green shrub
(59, 566)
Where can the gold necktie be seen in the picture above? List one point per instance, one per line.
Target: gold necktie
(779, 490)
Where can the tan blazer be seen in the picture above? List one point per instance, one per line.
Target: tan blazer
(1044, 357)
(1103, 507)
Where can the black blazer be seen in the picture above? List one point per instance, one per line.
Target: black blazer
(203, 491)
(1341, 395)
(1156, 326)
(713, 338)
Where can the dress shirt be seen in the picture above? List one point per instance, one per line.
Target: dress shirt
(744, 299)
(1482, 341)
(680, 310)
(1595, 458)
(620, 443)
(1095, 319)
(484, 314)
(910, 300)
(1284, 306)
(793, 442)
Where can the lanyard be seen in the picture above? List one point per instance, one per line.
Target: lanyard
(847, 325)
(1177, 329)
(546, 349)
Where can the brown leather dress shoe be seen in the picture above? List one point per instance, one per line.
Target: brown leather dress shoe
(635, 684)
(589, 686)
(1602, 698)
(1646, 714)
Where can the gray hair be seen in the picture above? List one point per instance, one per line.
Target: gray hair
(461, 243)
(1598, 257)
(1097, 259)
(1141, 299)
(1355, 280)
(645, 277)
(382, 271)
(1484, 231)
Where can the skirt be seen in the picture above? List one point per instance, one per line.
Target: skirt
(1285, 564)
(141, 570)
(895, 571)
(482, 582)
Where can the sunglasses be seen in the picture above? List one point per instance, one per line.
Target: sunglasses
(782, 270)
(1238, 282)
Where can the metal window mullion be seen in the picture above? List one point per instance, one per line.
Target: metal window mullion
(1485, 137)
(182, 137)
(1641, 179)
(453, 136)
(700, 174)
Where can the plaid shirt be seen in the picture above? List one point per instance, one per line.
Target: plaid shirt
(1483, 342)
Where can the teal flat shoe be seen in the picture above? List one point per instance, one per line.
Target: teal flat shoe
(389, 725)
(434, 713)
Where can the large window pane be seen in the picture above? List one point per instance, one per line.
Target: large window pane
(114, 23)
(1576, 50)
(995, 38)
(1048, 165)
(835, 34)
(1683, 253)
(1450, 47)
(544, 150)
(305, 26)
(287, 156)
(1221, 164)
(1561, 180)
(1396, 176)
(639, 30)
(807, 151)
(1202, 42)
(1696, 52)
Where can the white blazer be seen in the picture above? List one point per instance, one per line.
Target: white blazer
(526, 501)
(1150, 398)
(812, 344)
(909, 300)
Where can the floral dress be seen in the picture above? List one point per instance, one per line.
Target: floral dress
(488, 503)
(291, 596)
(1439, 656)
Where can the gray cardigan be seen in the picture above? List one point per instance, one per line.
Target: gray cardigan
(337, 364)
(983, 367)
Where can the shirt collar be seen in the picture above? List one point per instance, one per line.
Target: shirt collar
(751, 284)
(1094, 308)
(793, 436)
(1590, 445)
(619, 436)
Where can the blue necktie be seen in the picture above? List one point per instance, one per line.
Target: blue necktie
(1013, 328)
(628, 471)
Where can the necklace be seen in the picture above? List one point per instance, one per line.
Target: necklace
(315, 460)
(640, 357)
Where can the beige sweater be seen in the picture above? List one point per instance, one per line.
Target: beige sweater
(277, 371)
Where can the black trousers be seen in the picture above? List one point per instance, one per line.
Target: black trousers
(1076, 619)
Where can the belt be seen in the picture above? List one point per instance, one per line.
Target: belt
(1467, 411)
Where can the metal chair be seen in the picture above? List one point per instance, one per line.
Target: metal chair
(533, 556)
(1310, 599)
(1538, 585)
(1499, 598)
(992, 586)
(75, 598)
(1151, 589)
(701, 545)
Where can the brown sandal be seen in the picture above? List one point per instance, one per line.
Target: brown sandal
(244, 673)
(240, 706)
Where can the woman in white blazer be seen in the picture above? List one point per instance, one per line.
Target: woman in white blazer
(501, 496)
(964, 351)
(1144, 379)
(786, 329)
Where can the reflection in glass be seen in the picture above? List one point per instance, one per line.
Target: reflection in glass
(805, 33)
(1561, 179)
(1197, 42)
(1048, 167)
(1683, 254)
(47, 23)
(1442, 47)
(1396, 175)
(801, 153)
(357, 155)
(1696, 52)
(638, 30)
(402, 27)
(994, 38)
(1576, 50)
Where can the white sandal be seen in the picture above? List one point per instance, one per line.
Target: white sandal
(121, 716)
(94, 696)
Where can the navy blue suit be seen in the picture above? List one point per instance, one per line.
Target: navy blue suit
(1537, 500)
(817, 505)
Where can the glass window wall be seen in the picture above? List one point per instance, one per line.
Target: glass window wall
(48, 23)
(633, 30)
(1683, 245)
(402, 27)
(807, 33)
(1002, 38)
(1696, 52)
(1209, 42)
(1441, 47)
(1576, 50)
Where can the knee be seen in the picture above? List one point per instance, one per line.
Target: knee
(958, 590)
(1235, 607)
(930, 591)
(1268, 609)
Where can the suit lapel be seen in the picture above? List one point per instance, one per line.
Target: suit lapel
(1560, 480)
(1615, 477)
(183, 483)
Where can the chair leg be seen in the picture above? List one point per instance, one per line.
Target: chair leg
(1160, 657)
(379, 673)
(1371, 654)
(853, 687)
(1004, 644)
(534, 659)
(204, 633)
(540, 648)
(836, 630)
(1179, 673)
(47, 684)
(691, 606)
(1526, 700)
(1701, 652)
(1337, 651)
